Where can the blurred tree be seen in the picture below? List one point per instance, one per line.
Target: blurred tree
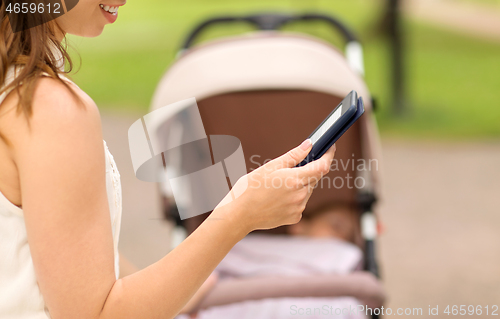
(393, 28)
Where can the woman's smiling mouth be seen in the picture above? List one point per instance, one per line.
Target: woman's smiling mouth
(110, 12)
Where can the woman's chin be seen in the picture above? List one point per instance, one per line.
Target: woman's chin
(94, 32)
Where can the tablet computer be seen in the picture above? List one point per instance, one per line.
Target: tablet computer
(334, 126)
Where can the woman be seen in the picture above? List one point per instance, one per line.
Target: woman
(60, 193)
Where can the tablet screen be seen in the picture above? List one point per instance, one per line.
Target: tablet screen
(326, 125)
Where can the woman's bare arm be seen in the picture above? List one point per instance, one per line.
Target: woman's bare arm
(62, 173)
(61, 163)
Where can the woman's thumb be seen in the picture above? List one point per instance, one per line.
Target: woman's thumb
(292, 157)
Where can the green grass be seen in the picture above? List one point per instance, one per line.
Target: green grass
(452, 79)
(453, 86)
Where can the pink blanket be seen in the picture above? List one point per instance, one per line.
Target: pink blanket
(258, 255)
(277, 258)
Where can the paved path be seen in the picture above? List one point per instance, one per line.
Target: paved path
(468, 17)
(441, 211)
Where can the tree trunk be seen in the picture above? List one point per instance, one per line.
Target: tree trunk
(395, 35)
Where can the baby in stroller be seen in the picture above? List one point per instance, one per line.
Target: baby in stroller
(311, 273)
(336, 220)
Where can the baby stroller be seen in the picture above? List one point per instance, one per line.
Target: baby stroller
(295, 80)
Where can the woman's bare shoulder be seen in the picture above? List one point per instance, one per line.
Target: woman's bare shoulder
(55, 111)
(53, 101)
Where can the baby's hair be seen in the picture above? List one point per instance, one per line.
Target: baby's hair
(353, 213)
(350, 206)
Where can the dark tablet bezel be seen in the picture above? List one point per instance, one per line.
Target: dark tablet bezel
(350, 115)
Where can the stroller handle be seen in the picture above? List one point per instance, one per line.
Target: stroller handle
(274, 21)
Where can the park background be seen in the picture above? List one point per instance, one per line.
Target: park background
(441, 154)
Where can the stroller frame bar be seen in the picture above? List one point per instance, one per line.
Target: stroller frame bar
(274, 21)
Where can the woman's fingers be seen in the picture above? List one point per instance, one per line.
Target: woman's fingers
(278, 191)
(329, 155)
(292, 157)
(314, 171)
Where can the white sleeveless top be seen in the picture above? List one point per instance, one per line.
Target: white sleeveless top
(20, 297)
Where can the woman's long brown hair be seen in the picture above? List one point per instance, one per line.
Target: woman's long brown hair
(33, 49)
